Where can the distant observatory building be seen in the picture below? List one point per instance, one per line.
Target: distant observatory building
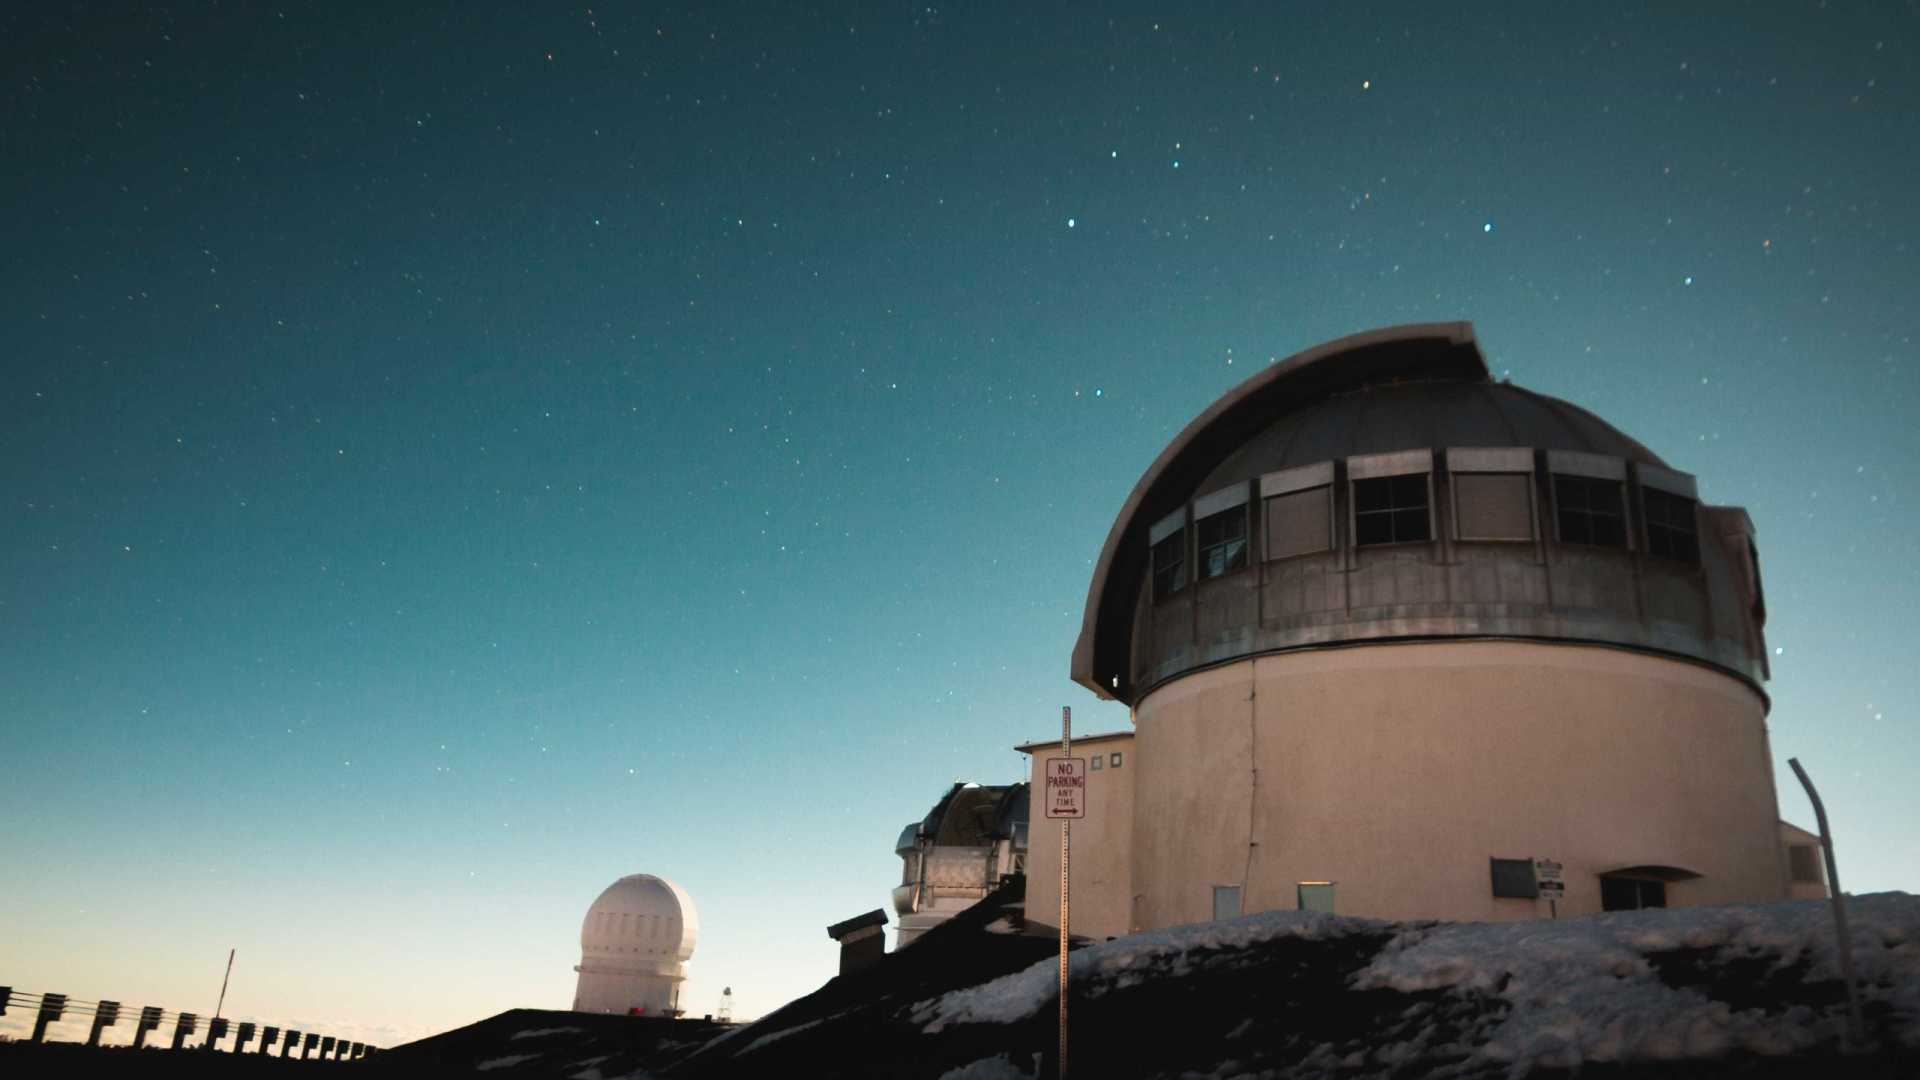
(974, 838)
(1391, 631)
(634, 947)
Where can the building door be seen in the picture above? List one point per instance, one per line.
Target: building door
(1631, 894)
(1316, 896)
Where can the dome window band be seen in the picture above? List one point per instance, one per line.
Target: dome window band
(1223, 542)
(1492, 493)
(1298, 504)
(1391, 510)
(1590, 511)
(1169, 540)
(1671, 529)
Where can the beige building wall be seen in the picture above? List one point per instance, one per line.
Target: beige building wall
(1805, 863)
(1102, 848)
(1397, 771)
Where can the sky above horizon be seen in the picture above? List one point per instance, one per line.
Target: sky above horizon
(454, 458)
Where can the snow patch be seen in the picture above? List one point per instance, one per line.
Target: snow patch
(993, 1068)
(534, 1033)
(1012, 998)
(507, 1062)
(775, 1036)
(1587, 989)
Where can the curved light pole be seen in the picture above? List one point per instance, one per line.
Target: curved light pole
(1856, 1029)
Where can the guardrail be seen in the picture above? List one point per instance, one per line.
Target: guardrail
(51, 1008)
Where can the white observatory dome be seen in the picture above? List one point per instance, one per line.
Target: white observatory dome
(633, 944)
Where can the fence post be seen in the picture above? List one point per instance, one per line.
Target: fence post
(105, 1015)
(149, 1021)
(52, 1007)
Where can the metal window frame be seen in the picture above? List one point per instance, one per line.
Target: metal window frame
(1813, 875)
(1591, 467)
(1499, 461)
(1212, 506)
(1386, 466)
(1165, 529)
(1300, 895)
(1494, 865)
(1647, 524)
(1295, 481)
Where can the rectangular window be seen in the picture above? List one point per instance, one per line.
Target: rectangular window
(1226, 901)
(1170, 565)
(1299, 523)
(1631, 894)
(1493, 506)
(1590, 511)
(1223, 542)
(1803, 864)
(1672, 529)
(1391, 510)
(1513, 878)
(1098, 761)
(1316, 896)
(1114, 760)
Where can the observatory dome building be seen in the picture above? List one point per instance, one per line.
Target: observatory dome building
(1391, 631)
(974, 838)
(634, 947)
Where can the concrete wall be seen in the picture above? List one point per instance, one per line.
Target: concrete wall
(1396, 771)
(1102, 850)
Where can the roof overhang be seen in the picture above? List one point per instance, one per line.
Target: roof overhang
(1054, 744)
(1416, 351)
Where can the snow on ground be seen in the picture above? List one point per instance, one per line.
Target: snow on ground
(772, 1037)
(1015, 997)
(997, 1067)
(534, 1033)
(1585, 990)
(1649, 986)
(507, 1062)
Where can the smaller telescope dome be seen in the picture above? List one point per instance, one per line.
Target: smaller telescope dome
(634, 943)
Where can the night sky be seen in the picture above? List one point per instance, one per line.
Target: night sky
(453, 458)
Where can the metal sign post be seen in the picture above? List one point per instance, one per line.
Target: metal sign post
(1065, 797)
(1066, 885)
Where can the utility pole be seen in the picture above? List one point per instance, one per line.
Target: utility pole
(221, 1004)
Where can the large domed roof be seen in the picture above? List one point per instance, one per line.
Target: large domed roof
(1421, 393)
(1397, 413)
(641, 916)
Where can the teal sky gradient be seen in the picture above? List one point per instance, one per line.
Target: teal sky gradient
(454, 459)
